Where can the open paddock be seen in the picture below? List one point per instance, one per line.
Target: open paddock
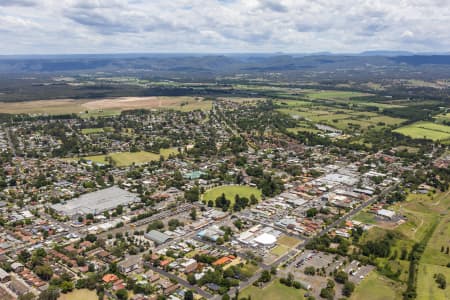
(425, 130)
(103, 107)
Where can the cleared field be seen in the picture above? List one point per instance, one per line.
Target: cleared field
(365, 217)
(293, 103)
(79, 294)
(274, 291)
(92, 130)
(334, 95)
(427, 288)
(377, 287)
(425, 130)
(303, 129)
(231, 191)
(128, 158)
(443, 117)
(96, 130)
(102, 107)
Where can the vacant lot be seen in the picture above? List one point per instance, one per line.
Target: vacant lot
(426, 130)
(100, 107)
(377, 287)
(231, 191)
(274, 291)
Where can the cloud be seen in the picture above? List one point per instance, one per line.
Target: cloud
(97, 26)
(18, 3)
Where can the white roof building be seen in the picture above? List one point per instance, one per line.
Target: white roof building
(266, 239)
(386, 213)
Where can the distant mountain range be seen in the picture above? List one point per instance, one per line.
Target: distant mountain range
(210, 63)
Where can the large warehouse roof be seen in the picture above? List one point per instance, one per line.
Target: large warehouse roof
(96, 202)
(158, 237)
(266, 239)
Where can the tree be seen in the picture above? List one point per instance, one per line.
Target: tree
(122, 294)
(441, 281)
(312, 212)
(310, 271)
(45, 272)
(24, 255)
(348, 288)
(191, 279)
(91, 238)
(265, 276)
(67, 286)
(189, 295)
(193, 214)
(341, 277)
(192, 195)
(52, 293)
(27, 296)
(273, 270)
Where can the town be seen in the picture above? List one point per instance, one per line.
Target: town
(232, 198)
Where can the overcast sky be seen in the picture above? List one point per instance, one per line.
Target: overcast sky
(295, 26)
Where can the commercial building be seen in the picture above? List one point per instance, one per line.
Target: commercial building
(96, 202)
(157, 237)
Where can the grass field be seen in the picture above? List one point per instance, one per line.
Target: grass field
(274, 291)
(279, 250)
(377, 287)
(422, 213)
(343, 119)
(104, 107)
(96, 130)
(334, 95)
(426, 130)
(123, 159)
(427, 287)
(230, 192)
(79, 294)
(365, 217)
(288, 241)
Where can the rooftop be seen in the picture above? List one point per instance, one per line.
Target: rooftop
(96, 202)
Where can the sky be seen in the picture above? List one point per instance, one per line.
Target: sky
(222, 26)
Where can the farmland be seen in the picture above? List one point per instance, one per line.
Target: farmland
(426, 130)
(340, 118)
(103, 107)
